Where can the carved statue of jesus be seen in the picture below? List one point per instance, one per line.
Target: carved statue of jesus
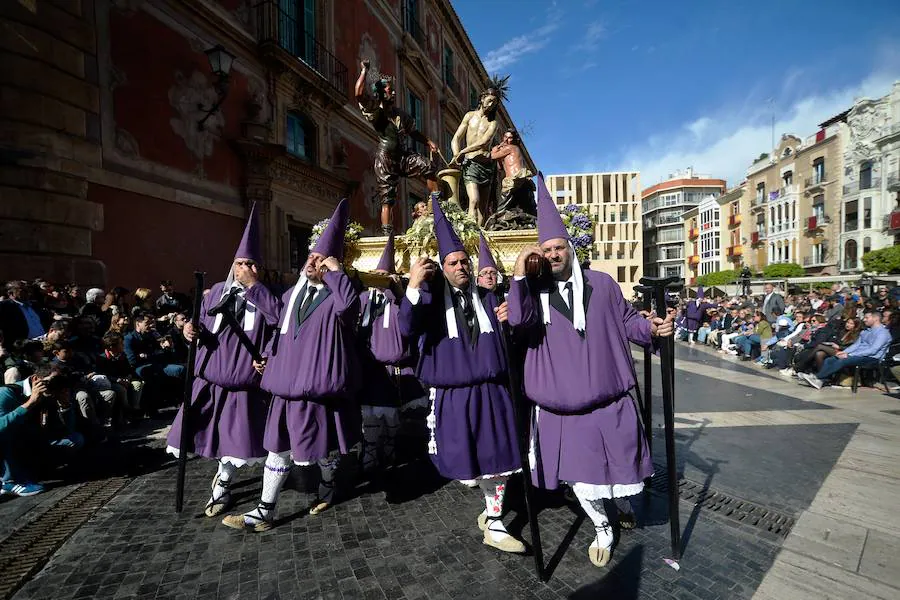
(471, 147)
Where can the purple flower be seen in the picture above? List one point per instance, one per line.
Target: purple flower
(581, 221)
(571, 208)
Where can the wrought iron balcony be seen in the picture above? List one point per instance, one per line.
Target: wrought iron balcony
(811, 261)
(735, 251)
(734, 220)
(281, 36)
(856, 186)
(893, 182)
(693, 233)
(816, 180)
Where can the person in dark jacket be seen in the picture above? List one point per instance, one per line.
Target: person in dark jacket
(151, 363)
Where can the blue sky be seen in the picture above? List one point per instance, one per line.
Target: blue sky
(658, 85)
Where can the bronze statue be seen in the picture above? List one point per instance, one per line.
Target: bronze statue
(477, 130)
(392, 159)
(516, 208)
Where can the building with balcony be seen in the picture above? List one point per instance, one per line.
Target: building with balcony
(703, 249)
(111, 177)
(794, 202)
(735, 240)
(663, 206)
(871, 178)
(613, 200)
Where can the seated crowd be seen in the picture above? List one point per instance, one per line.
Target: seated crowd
(80, 367)
(816, 337)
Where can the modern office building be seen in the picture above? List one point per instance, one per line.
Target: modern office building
(613, 199)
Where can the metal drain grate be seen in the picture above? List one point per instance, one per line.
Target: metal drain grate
(730, 507)
(26, 550)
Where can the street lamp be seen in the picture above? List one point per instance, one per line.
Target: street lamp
(220, 61)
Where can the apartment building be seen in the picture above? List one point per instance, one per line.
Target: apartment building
(703, 226)
(613, 199)
(794, 202)
(734, 232)
(871, 187)
(662, 207)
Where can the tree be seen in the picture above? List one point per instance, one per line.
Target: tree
(781, 270)
(886, 260)
(718, 278)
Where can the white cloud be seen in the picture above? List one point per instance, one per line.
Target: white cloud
(514, 49)
(589, 42)
(725, 142)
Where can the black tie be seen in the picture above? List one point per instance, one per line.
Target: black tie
(304, 308)
(570, 295)
(377, 306)
(468, 313)
(237, 305)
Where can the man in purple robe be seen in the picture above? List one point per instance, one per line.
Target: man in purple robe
(579, 372)
(488, 274)
(695, 313)
(312, 375)
(472, 420)
(388, 363)
(227, 415)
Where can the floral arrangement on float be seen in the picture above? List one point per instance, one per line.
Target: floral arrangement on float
(580, 226)
(420, 239)
(351, 239)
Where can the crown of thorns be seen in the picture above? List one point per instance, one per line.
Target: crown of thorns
(497, 86)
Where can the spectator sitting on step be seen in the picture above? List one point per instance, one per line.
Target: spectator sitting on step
(170, 301)
(867, 351)
(33, 410)
(150, 361)
(20, 363)
(95, 307)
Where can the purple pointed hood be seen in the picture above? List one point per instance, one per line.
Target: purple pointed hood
(700, 293)
(485, 257)
(249, 247)
(331, 242)
(387, 256)
(448, 241)
(549, 223)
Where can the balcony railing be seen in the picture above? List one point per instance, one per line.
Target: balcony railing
(412, 27)
(893, 182)
(734, 220)
(851, 225)
(282, 28)
(812, 261)
(786, 191)
(816, 180)
(856, 186)
(694, 259)
(756, 237)
(735, 251)
(693, 233)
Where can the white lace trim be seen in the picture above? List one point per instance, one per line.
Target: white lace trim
(237, 462)
(600, 491)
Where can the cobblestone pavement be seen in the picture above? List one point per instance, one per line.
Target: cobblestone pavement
(412, 535)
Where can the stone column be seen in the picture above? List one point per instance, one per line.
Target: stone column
(49, 141)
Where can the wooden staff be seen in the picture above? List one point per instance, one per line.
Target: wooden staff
(188, 388)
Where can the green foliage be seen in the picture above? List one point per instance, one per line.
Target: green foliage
(886, 260)
(780, 270)
(762, 156)
(718, 278)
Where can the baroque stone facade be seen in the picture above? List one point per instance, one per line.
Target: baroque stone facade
(107, 178)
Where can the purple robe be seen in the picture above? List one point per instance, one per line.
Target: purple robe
(228, 410)
(313, 374)
(474, 430)
(694, 313)
(588, 429)
(387, 360)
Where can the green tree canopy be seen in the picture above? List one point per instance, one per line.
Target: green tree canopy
(886, 260)
(718, 278)
(777, 271)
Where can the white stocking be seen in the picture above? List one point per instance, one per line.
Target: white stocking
(278, 467)
(226, 472)
(494, 490)
(596, 512)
